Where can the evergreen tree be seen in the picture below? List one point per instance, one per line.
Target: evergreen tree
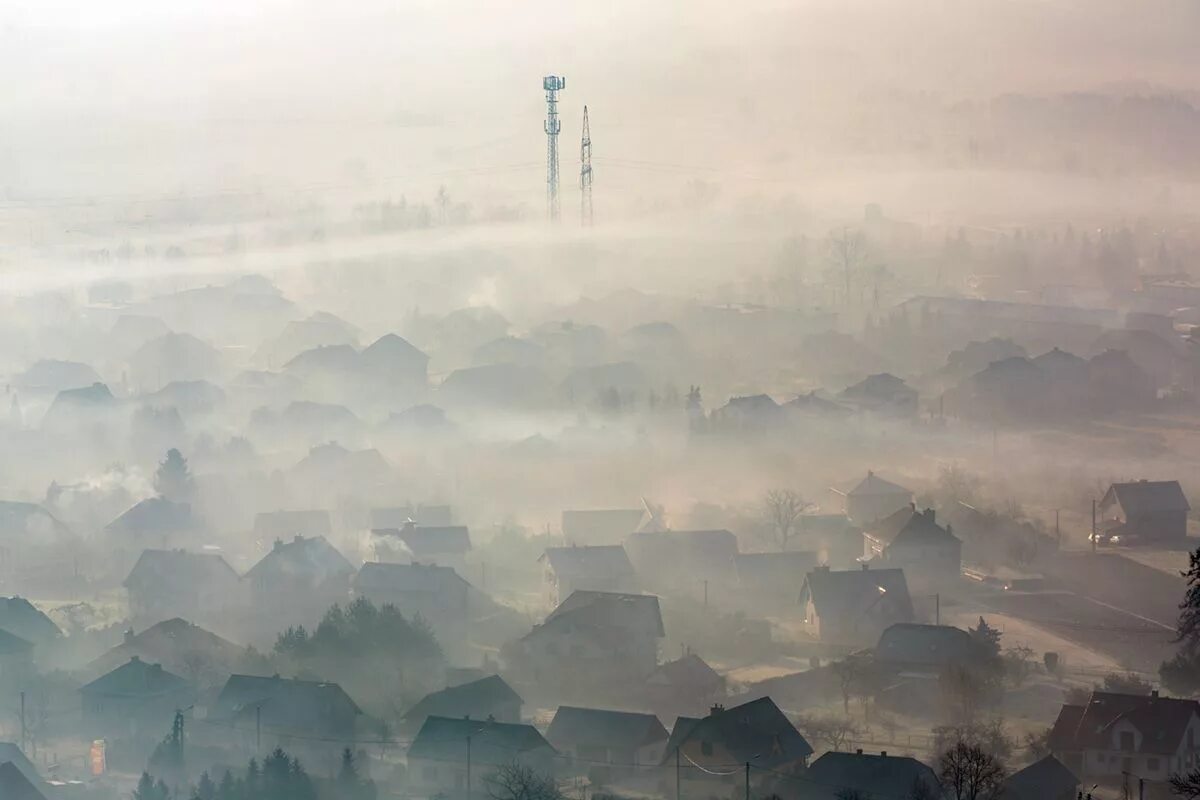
(206, 789)
(145, 788)
(987, 638)
(227, 789)
(1181, 674)
(350, 784)
(173, 479)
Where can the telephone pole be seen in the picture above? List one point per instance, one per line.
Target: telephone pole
(23, 735)
(585, 173)
(552, 84)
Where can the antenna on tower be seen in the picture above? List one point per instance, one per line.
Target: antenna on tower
(552, 84)
(585, 172)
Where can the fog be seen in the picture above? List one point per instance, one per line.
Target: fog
(847, 453)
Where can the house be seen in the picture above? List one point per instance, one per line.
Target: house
(282, 524)
(853, 607)
(602, 526)
(755, 733)
(599, 568)
(14, 785)
(835, 775)
(437, 594)
(1116, 382)
(911, 540)
(1150, 736)
(439, 764)
(882, 393)
(685, 562)
(833, 537)
(913, 648)
(595, 639)
(298, 580)
(754, 414)
(687, 685)
(287, 712)
(82, 408)
(155, 518)
(487, 698)
(20, 617)
(1046, 779)
(134, 700)
(200, 656)
(422, 515)
(447, 545)
(1144, 511)
(767, 581)
(393, 362)
(619, 740)
(874, 498)
(16, 658)
(11, 753)
(176, 583)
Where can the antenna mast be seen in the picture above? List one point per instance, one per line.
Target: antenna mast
(552, 84)
(585, 172)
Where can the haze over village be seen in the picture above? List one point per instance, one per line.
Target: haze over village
(791, 400)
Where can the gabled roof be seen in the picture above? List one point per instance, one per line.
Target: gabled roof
(814, 403)
(875, 486)
(756, 732)
(1059, 363)
(847, 594)
(10, 753)
(907, 643)
(11, 645)
(445, 739)
(600, 561)
(136, 678)
(154, 516)
(14, 785)
(20, 617)
(922, 529)
(172, 642)
(1161, 721)
(611, 609)
(165, 569)
(871, 776)
(431, 540)
(475, 699)
(375, 576)
(56, 375)
(689, 672)
(390, 349)
(888, 528)
(288, 703)
(307, 522)
(1046, 779)
(573, 726)
(882, 386)
(97, 394)
(311, 557)
(1141, 497)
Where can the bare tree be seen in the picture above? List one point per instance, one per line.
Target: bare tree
(517, 781)
(847, 251)
(835, 733)
(921, 790)
(968, 772)
(782, 509)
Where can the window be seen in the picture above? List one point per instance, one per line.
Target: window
(1152, 764)
(706, 748)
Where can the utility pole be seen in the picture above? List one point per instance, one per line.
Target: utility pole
(937, 600)
(677, 774)
(585, 173)
(468, 768)
(1057, 530)
(706, 594)
(258, 730)
(747, 780)
(1093, 525)
(23, 742)
(552, 84)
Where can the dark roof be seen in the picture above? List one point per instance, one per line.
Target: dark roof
(848, 593)
(431, 540)
(172, 642)
(308, 522)
(390, 348)
(165, 569)
(814, 403)
(873, 485)
(874, 777)
(376, 576)
(136, 678)
(475, 699)
(689, 672)
(882, 386)
(600, 562)
(573, 726)
(288, 703)
(10, 752)
(922, 529)
(1161, 721)
(617, 609)
(1048, 779)
(907, 643)
(492, 743)
(21, 617)
(11, 644)
(310, 557)
(1141, 497)
(154, 516)
(14, 785)
(888, 528)
(97, 394)
(756, 732)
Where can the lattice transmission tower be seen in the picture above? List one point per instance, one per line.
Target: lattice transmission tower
(552, 84)
(585, 172)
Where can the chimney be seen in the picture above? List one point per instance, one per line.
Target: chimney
(128, 635)
(1154, 694)
(865, 566)
(278, 544)
(858, 751)
(135, 659)
(883, 753)
(298, 538)
(931, 514)
(717, 708)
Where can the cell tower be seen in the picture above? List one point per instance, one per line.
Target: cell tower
(552, 84)
(585, 172)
